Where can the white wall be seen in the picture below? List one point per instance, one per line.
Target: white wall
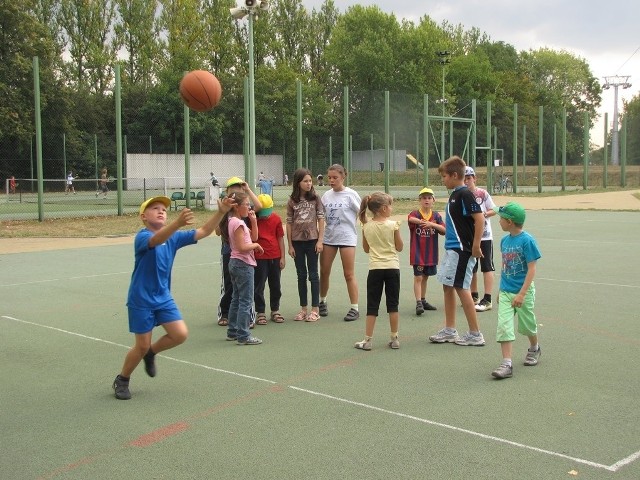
(167, 170)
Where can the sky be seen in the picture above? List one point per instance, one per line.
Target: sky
(605, 35)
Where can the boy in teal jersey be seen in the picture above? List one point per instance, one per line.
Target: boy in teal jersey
(517, 291)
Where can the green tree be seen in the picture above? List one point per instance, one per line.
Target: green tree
(24, 37)
(318, 36)
(87, 30)
(631, 114)
(136, 31)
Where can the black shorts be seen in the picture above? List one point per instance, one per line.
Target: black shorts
(486, 262)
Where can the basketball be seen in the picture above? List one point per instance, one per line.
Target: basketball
(200, 90)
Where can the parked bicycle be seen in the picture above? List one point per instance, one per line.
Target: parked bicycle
(503, 184)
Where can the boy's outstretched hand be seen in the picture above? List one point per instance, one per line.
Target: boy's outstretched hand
(186, 217)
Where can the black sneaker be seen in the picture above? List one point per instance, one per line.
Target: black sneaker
(323, 309)
(419, 308)
(121, 388)
(427, 306)
(352, 315)
(483, 306)
(150, 363)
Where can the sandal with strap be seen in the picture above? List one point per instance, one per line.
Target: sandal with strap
(313, 317)
(301, 316)
(261, 319)
(277, 318)
(223, 322)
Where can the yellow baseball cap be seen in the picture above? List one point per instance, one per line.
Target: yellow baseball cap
(267, 205)
(164, 200)
(234, 181)
(426, 191)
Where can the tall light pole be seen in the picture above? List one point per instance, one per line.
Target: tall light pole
(444, 59)
(252, 8)
(615, 82)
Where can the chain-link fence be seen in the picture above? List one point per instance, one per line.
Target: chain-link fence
(396, 139)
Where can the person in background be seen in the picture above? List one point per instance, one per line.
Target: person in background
(103, 186)
(69, 186)
(486, 244)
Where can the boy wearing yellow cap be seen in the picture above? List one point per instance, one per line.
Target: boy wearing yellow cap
(425, 225)
(149, 301)
(270, 262)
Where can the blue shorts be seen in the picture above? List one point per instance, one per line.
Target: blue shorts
(424, 271)
(142, 320)
(456, 269)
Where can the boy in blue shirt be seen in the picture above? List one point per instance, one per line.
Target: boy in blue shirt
(517, 291)
(150, 302)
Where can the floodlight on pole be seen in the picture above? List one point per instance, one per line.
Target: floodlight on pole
(614, 82)
(251, 8)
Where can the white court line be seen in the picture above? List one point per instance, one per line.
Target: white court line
(458, 429)
(207, 367)
(612, 468)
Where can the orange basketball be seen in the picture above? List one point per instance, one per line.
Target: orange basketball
(200, 90)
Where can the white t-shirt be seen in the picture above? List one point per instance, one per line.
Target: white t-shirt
(486, 203)
(340, 216)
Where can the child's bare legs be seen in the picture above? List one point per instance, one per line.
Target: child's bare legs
(326, 261)
(348, 258)
(419, 287)
(450, 306)
(134, 356)
(176, 334)
(469, 308)
(394, 321)
(507, 350)
(507, 347)
(488, 283)
(370, 325)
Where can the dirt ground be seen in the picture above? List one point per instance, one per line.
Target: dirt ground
(622, 200)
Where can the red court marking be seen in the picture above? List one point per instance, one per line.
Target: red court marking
(159, 434)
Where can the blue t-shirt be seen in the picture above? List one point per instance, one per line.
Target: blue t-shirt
(460, 225)
(151, 278)
(517, 252)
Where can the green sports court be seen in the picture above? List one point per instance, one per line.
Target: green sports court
(305, 403)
